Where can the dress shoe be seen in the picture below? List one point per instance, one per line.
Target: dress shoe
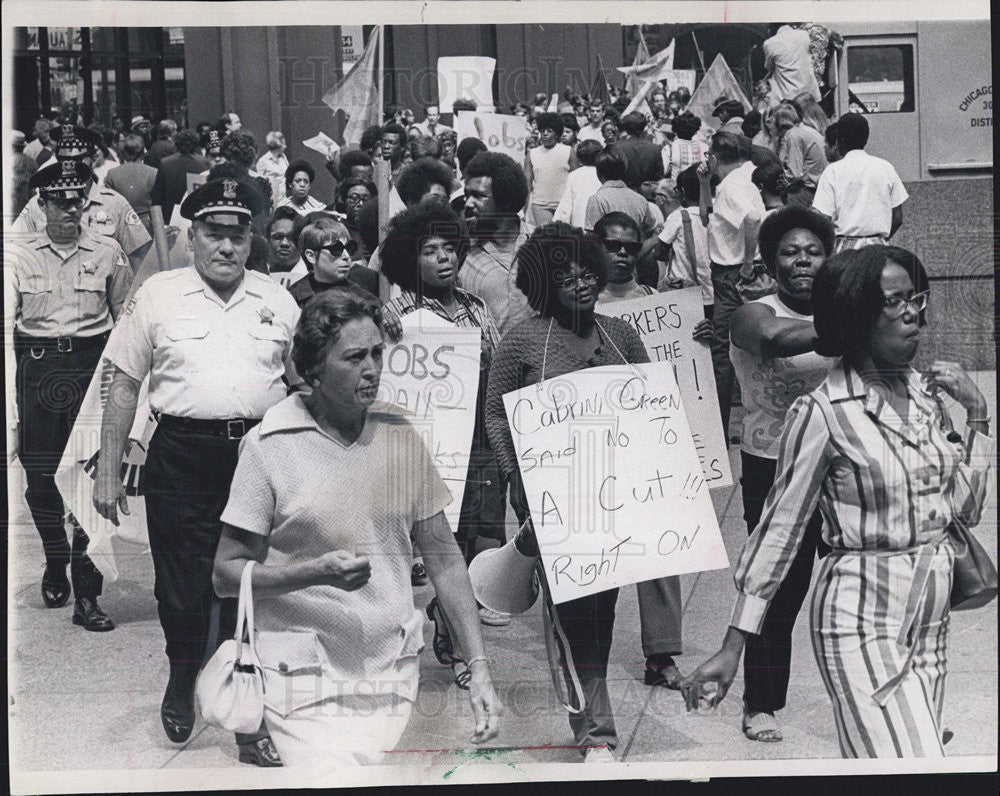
(177, 709)
(56, 589)
(662, 671)
(88, 613)
(260, 753)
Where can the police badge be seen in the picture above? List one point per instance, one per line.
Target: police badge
(229, 189)
(88, 267)
(266, 315)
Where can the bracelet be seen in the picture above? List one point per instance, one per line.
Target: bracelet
(985, 419)
(482, 658)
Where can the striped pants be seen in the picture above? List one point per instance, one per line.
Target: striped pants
(879, 631)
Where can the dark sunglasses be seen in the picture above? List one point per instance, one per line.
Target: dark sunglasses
(631, 247)
(337, 248)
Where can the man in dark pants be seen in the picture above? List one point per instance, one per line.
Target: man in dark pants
(64, 288)
(736, 215)
(215, 340)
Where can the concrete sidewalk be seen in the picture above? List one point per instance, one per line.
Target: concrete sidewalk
(89, 701)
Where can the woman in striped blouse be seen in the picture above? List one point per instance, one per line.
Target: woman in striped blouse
(872, 446)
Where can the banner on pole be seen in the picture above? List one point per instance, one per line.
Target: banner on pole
(77, 472)
(433, 373)
(500, 133)
(718, 81)
(665, 322)
(612, 478)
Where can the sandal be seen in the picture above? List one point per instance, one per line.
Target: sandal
(761, 727)
(444, 651)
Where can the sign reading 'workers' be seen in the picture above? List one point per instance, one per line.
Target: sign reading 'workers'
(665, 322)
(613, 481)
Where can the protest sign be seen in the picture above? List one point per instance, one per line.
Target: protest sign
(665, 322)
(78, 469)
(613, 482)
(323, 144)
(676, 78)
(466, 77)
(433, 373)
(500, 133)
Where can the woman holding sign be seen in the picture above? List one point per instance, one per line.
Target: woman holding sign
(422, 254)
(562, 271)
(874, 449)
(773, 349)
(328, 493)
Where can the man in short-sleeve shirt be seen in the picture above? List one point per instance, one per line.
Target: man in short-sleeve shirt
(737, 212)
(63, 290)
(862, 194)
(215, 341)
(106, 212)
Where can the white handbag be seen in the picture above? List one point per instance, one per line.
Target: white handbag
(230, 689)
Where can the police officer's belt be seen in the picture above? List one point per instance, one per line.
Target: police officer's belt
(61, 345)
(231, 429)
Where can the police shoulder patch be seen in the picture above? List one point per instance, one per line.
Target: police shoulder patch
(132, 218)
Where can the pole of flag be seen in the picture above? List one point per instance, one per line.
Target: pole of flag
(380, 32)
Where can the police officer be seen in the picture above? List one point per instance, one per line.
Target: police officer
(64, 288)
(105, 212)
(215, 340)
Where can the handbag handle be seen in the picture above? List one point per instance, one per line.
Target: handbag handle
(689, 243)
(244, 613)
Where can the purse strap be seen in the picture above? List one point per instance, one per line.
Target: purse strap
(689, 243)
(244, 612)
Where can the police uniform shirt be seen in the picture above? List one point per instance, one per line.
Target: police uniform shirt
(64, 291)
(106, 213)
(207, 359)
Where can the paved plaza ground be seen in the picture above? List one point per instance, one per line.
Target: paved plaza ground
(107, 688)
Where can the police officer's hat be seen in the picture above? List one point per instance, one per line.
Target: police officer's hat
(211, 139)
(68, 179)
(74, 142)
(225, 200)
(731, 106)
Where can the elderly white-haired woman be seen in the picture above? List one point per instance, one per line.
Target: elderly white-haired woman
(273, 163)
(329, 494)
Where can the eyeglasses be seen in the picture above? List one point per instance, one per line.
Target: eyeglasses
(631, 247)
(583, 278)
(338, 247)
(356, 199)
(895, 306)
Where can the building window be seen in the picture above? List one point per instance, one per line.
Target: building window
(98, 74)
(880, 78)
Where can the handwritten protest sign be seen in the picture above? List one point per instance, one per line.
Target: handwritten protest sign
(78, 469)
(500, 133)
(466, 77)
(665, 322)
(613, 481)
(433, 373)
(677, 78)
